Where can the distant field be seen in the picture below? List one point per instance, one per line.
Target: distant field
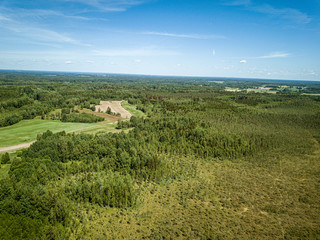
(229, 89)
(27, 130)
(256, 90)
(271, 90)
(311, 94)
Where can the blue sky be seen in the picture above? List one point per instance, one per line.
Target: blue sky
(278, 39)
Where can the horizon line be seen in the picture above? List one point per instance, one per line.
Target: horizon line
(160, 75)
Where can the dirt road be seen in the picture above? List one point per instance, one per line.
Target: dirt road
(15, 147)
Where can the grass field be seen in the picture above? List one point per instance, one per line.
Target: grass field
(27, 130)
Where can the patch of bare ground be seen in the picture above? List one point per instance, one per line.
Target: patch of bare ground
(100, 114)
(115, 107)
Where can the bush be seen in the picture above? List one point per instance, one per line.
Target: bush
(5, 158)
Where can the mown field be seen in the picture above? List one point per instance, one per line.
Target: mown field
(27, 130)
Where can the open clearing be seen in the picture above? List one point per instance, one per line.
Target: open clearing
(115, 107)
(27, 130)
(22, 134)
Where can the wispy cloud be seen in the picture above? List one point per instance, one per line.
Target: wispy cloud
(36, 14)
(18, 25)
(192, 36)
(268, 56)
(48, 13)
(237, 3)
(109, 5)
(291, 14)
(43, 35)
(276, 55)
(151, 51)
(3, 18)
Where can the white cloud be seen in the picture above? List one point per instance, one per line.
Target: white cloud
(192, 36)
(90, 61)
(137, 61)
(213, 52)
(276, 55)
(68, 62)
(243, 61)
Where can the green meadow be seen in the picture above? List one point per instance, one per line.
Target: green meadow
(27, 130)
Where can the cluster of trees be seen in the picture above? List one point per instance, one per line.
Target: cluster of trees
(71, 115)
(11, 114)
(10, 120)
(80, 117)
(104, 188)
(117, 152)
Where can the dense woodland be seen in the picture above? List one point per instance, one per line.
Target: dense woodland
(202, 164)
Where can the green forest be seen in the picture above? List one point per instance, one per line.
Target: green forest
(199, 163)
